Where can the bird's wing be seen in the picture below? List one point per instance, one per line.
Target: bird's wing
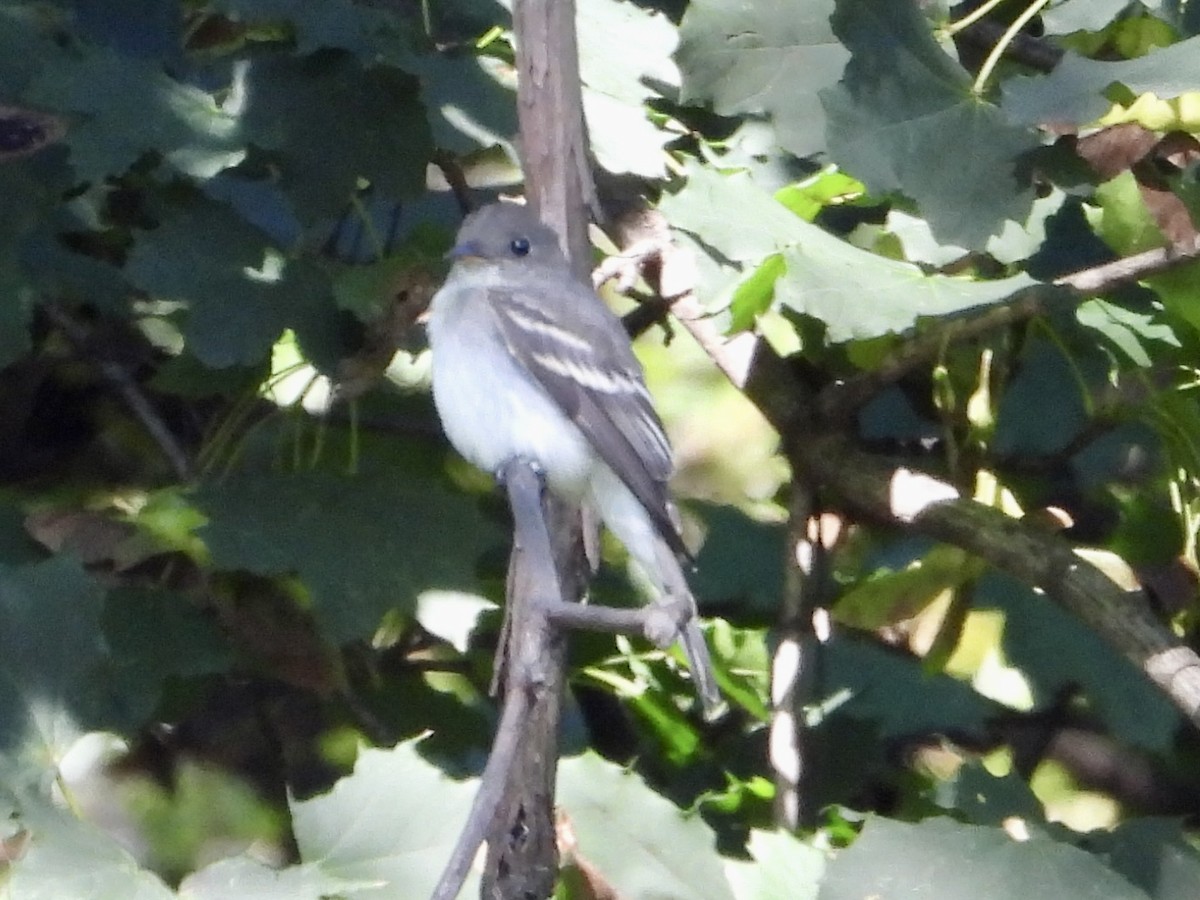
(596, 380)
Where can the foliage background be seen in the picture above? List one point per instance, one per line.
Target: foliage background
(246, 625)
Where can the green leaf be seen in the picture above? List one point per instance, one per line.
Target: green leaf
(1057, 651)
(756, 294)
(471, 102)
(902, 103)
(782, 866)
(249, 879)
(640, 842)
(29, 195)
(69, 859)
(153, 635)
(982, 798)
(1043, 406)
(890, 689)
(239, 290)
(1133, 333)
(939, 859)
(1154, 854)
(731, 214)
(373, 34)
(50, 653)
(741, 559)
(393, 822)
(1123, 221)
(1073, 94)
(767, 58)
(362, 545)
(893, 596)
(311, 112)
(130, 107)
(617, 85)
(859, 295)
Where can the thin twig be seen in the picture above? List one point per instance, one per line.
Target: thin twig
(126, 387)
(487, 799)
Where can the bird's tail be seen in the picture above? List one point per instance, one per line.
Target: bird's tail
(700, 663)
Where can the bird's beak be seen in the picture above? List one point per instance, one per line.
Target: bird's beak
(465, 250)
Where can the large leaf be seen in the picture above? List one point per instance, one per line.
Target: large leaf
(861, 295)
(939, 859)
(154, 635)
(640, 842)
(50, 653)
(903, 104)
(768, 57)
(1056, 652)
(392, 823)
(1073, 94)
(130, 107)
(311, 112)
(1154, 854)
(249, 879)
(24, 199)
(362, 545)
(470, 101)
(239, 290)
(373, 34)
(618, 84)
(782, 866)
(856, 294)
(68, 859)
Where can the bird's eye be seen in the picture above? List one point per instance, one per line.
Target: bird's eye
(519, 246)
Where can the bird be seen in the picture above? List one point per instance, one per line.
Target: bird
(528, 362)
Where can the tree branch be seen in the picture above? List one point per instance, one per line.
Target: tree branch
(126, 387)
(841, 400)
(869, 486)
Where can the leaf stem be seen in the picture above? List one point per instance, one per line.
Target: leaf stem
(971, 18)
(989, 64)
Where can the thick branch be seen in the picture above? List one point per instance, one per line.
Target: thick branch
(864, 483)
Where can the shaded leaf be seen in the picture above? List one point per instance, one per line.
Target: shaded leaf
(311, 112)
(1154, 854)
(769, 57)
(940, 858)
(50, 653)
(154, 635)
(891, 597)
(362, 545)
(373, 34)
(904, 102)
(1133, 333)
(470, 101)
(741, 559)
(129, 107)
(240, 292)
(1073, 94)
(1056, 651)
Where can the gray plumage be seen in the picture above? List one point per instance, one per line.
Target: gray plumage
(528, 362)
